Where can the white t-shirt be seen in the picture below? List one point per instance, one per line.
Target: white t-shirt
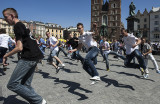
(4, 38)
(53, 41)
(129, 41)
(87, 40)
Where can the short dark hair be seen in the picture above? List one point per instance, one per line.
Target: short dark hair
(11, 10)
(123, 29)
(2, 31)
(78, 24)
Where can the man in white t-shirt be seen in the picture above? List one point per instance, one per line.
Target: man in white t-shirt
(4, 39)
(53, 42)
(132, 51)
(90, 44)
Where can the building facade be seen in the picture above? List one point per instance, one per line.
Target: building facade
(55, 30)
(107, 14)
(5, 25)
(155, 24)
(36, 28)
(143, 23)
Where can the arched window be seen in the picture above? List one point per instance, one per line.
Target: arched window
(105, 20)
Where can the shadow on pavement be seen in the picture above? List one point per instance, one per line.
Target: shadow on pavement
(71, 85)
(70, 63)
(129, 74)
(12, 100)
(2, 72)
(69, 71)
(115, 83)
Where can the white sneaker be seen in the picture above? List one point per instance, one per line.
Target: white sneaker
(95, 78)
(63, 65)
(44, 101)
(146, 73)
(158, 71)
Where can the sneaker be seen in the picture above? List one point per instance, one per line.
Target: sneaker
(158, 71)
(146, 75)
(57, 69)
(63, 65)
(44, 101)
(142, 71)
(95, 78)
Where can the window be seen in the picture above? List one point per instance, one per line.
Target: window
(104, 20)
(156, 22)
(156, 36)
(116, 17)
(96, 19)
(145, 33)
(113, 24)
(96, 13)
(145, 19)
(156, 28)
(95, 1)
(138, 26)
(156, 16)
(145, 25)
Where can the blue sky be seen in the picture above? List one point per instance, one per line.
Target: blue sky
(67, 12)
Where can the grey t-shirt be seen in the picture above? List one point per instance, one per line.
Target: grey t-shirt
(146, 47)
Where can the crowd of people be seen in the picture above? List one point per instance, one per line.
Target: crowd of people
(31, 50)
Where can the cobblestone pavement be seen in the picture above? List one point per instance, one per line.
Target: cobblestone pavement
(120, 85)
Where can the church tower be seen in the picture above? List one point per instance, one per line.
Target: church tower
(107, 13)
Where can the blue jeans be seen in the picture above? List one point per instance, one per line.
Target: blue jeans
(101, 52)
(42, 49)
(106, 53)
(88, 64)
(136, 53)
(20, 81)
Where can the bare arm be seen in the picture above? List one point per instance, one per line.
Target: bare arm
(54, 45)
(137, 43)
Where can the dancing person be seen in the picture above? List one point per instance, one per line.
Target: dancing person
(21, 78)
(132, 51)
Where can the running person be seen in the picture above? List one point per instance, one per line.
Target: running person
(87, 40)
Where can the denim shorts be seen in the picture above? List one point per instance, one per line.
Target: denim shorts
(54, 53)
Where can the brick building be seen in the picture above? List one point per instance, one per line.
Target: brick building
(107, 13)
